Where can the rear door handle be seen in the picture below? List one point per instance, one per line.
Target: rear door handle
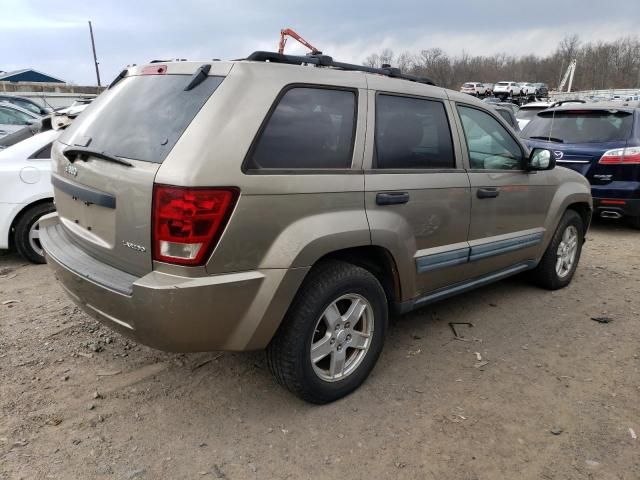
(488, 192)
(392, 198)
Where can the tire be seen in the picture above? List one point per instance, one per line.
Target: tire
(25, 228)
(547, 274)
(305, 324)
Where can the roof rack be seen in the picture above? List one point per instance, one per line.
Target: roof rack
(327, 61)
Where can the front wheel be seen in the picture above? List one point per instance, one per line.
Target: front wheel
(332, 335)
(27, 232)
(560, 260)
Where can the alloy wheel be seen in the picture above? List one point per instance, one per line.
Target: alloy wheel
(342, 337)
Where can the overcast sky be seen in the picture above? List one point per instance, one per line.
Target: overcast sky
(53, 36)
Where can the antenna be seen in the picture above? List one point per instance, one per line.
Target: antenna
(95, 58)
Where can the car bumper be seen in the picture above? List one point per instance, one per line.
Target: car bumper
(235, 311)
(624, 207)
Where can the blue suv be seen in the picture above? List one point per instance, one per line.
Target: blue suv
(602, 142)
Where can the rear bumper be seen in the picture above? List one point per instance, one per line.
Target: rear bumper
(623, 206)
(236, 311)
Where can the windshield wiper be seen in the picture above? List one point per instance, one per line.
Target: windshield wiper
(83, 153)
(198, 77)
(549, 139)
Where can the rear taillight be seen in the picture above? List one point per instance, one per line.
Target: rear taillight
(187, 222)
(627, 156)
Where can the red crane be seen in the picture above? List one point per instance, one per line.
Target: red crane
(287, 32)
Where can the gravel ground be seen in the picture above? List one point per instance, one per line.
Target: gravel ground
(536, 390)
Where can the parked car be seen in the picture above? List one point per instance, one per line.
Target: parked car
(14, 118)
(600, 141)
(528, 89)
(529, 110)
(474, 88)
(508, 116)
(492, 100)
(489, 87)
(507, 89)
(58, 120)
(27, 104)
(542, 90)
(251, 211)
(26, 193)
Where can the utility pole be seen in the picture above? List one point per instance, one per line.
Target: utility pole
(95, 58)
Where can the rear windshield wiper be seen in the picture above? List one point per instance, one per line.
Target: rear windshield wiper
(83, 153)
(549, 139)
(198, 77)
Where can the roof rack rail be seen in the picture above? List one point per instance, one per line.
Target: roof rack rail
(327, 61)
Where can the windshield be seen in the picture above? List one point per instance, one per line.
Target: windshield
(587, 126)
(141, 117)
(502, 84)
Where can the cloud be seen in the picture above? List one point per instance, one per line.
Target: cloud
(53, 36)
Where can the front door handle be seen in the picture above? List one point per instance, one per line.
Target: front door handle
(488, 192)
(392, 198)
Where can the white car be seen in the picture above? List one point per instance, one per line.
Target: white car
(506, 89)
(26, 193)
(529, 110)
(474, 88)
(528, 89)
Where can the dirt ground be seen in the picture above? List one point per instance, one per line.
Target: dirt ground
(558, 399)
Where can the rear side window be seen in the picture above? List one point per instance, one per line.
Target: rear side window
(412, 133)
(310, 128)
(581, 126)
(142, 117)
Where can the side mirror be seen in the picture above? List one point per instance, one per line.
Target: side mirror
(31, 121)
(541, 159)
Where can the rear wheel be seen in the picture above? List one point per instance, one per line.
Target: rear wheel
(560, 260)
(635, 222)
(27, 233)
(332, 334)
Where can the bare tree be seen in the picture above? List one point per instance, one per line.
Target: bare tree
(600, 64)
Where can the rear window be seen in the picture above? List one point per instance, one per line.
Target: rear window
(502, 84)
(309, 128)
(468, 85)
(581, 126)
(142, 117)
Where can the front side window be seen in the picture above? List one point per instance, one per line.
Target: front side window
(490, 145)
(412, 133)
(311, 128)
